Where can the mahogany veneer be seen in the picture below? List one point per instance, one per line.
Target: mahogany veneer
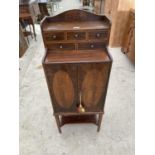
(77, 65)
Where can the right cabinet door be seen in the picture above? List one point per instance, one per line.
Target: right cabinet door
(92, 85)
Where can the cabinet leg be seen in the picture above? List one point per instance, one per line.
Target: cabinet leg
(99, 122)
(58, 123)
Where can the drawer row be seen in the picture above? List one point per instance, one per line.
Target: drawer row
(73, 36)
(78, 46)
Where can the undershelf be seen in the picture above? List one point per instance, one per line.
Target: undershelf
(79, 119)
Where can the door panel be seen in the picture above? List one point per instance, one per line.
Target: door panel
(93, 79)
(63, 89)
(92, 87)
(63, 86)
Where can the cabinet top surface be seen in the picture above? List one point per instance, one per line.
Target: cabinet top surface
(77, 57)
(85, 25)
(75, 20)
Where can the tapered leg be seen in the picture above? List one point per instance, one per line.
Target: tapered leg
(99, 122)
(30, 30)
(34, 31)
(58, 123)
(27, 39)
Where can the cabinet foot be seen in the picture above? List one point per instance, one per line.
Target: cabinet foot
(58, 123)
(99, 122)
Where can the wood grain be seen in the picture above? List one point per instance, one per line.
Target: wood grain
(63, 89)
(92, 84)
(128, 43)
(77, 57)
(118, 12)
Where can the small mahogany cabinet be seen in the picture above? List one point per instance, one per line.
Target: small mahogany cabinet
(77, 65)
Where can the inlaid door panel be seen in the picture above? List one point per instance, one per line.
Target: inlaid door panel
(92, 84)
(62, 81)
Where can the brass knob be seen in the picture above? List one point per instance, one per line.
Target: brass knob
(54, 36)
(98, 35)
(61, 46)
(76, 35)
(92, 46)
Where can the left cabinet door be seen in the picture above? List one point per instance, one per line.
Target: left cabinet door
(62, 84)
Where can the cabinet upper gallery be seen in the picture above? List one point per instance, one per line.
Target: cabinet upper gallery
(77, 63)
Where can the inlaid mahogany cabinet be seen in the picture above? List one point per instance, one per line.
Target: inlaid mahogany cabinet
(77, 65)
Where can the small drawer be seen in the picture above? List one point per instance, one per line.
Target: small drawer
(61, 46)
(98, 34)
(76, 36)
(54, 36)
(90, 46)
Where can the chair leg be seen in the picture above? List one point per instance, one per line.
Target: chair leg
(58, 123)
(27, 39)
(99, 122)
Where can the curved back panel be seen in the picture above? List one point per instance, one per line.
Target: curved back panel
(75, 15)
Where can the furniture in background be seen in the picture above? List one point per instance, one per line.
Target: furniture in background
(85, 2)
(52, 6)
(97, 6)
(88, 5)
(117, 11)
(37, 8)
(26, 19)
(43, 8)
(77, 65)
(128, 43)
(109, 7)
(22, 42)
(31, 7)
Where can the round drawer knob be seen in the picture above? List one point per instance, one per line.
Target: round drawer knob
(92, 46)
(98, 35)
(76, 35)
(61, 46)
(54, 36)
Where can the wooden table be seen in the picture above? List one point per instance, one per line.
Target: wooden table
(26, 17)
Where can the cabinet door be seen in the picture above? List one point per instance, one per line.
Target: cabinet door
(92, 85)
(62, 84)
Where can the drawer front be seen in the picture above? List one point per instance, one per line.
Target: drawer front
(61, 46)
(99, 34)
(76, 36)
(90, 46)
(54, 36)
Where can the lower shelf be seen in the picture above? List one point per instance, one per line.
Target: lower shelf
(79, 119)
